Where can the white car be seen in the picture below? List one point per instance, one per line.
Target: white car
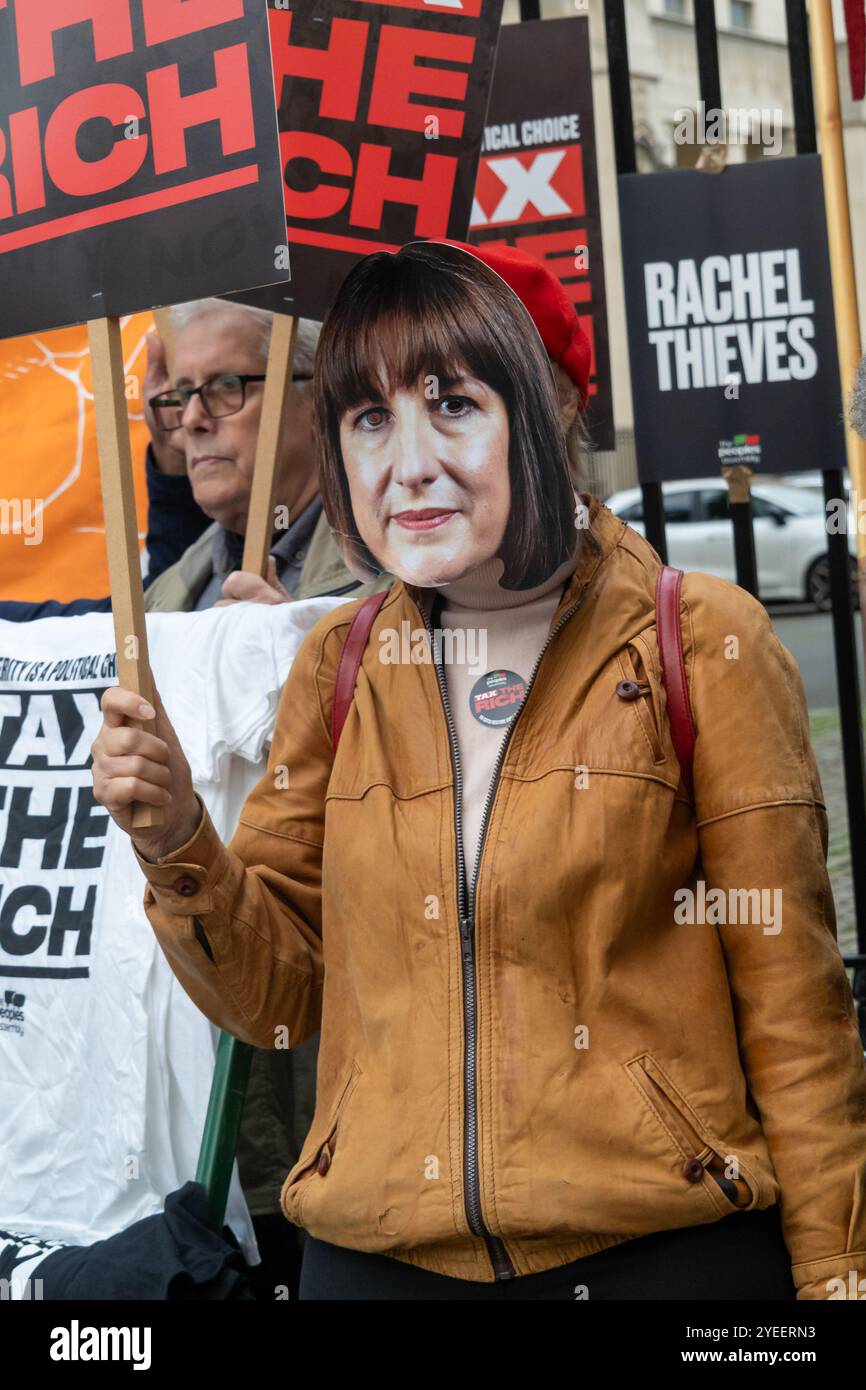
(790, 535)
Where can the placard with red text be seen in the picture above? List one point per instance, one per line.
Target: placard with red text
(381, 108)
(139, 157)
(537, 186)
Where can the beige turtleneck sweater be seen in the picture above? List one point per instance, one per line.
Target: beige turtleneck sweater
(505, 631)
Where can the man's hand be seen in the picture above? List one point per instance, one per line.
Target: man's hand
(167, 456)
(243, 587)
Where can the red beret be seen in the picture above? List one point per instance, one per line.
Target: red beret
(551, 309)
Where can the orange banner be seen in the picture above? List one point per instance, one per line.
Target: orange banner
(52, 539)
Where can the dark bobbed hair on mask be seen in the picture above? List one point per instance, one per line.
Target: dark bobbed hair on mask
(433, 310)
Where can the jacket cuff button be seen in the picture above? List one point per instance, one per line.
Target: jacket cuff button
(186, 885)
(693, 1169)
(324, 1163)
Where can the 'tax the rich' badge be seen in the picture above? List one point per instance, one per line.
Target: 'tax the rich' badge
(496, 697)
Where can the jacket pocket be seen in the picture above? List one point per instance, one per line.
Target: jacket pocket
(315, 1162)
(697, 1147)
(635, 668)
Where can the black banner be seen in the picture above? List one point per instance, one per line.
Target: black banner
(139, 162)
(730, 320)
(381, 108)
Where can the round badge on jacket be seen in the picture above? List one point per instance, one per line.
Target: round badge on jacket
(495, 698)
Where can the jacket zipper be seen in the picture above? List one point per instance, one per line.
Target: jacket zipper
(502, 1265)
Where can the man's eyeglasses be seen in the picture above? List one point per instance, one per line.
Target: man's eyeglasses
(220, 396)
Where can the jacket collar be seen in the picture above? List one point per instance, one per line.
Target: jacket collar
(228, 546)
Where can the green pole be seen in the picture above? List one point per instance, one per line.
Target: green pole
(223, 1121)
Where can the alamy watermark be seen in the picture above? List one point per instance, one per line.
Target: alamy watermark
(844, 513)
(77, 1343)
(736, 125)
(22, 516)
(855, 1287)
(411, 646)
(722, 907)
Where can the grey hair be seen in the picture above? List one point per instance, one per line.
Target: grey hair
(306, 339)
(857, 402)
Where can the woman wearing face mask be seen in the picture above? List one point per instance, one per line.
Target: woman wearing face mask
(585, 1030)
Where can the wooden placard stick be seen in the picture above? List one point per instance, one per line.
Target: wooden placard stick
(278, 384)
(121, 527)
(835, 179)
(165, 329)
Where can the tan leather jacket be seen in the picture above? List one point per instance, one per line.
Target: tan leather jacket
(513, 1077)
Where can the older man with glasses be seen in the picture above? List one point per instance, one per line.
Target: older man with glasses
(205, 422)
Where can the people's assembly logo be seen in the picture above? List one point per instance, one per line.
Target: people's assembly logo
(12, 1012)
(743, 448)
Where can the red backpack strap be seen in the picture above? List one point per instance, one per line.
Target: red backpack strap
(670, 640)
(350, 662)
